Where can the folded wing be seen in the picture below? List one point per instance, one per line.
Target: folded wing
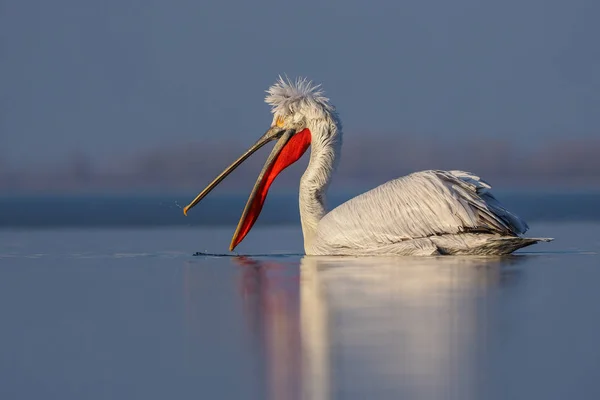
(419, 205)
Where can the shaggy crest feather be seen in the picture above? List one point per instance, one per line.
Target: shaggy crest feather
(287, 97)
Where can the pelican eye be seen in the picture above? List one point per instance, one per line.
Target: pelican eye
(280, 121)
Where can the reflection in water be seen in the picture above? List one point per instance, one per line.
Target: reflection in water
(316, 371)
(270, 293)
(373, 327)
(398, 326)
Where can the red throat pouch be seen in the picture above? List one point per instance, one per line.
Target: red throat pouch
(292, 151)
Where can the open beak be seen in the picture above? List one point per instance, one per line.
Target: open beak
(290, 146)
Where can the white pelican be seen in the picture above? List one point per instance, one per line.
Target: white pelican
(424, 213)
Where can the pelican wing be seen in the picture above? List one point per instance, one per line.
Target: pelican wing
(417, 206)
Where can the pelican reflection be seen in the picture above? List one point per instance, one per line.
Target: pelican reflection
(374, 327)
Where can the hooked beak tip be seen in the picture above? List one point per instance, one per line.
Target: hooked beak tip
(185, 210)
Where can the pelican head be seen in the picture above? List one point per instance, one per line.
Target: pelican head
(301, 115)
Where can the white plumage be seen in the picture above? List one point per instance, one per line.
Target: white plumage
(424, 213)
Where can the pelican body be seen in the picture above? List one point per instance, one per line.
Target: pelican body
(425, 213)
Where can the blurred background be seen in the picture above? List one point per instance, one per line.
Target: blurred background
(116, 113)
(151, 99)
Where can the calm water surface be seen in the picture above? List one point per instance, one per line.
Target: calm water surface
(128, 314)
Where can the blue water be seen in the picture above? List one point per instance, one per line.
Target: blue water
(117, 311)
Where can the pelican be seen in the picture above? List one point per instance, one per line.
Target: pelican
(425, 213)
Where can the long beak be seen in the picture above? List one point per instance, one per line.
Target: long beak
(289, 148)
(272, 134)
(259, 191)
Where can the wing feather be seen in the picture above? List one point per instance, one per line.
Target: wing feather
(419, 205)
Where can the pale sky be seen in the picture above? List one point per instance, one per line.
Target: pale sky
(109, 78)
